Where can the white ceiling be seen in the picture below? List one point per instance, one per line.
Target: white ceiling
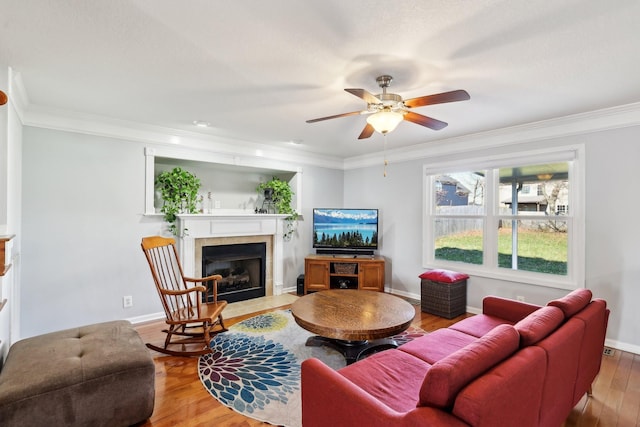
(256, 70)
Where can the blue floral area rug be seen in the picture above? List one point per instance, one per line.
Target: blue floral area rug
(254, 368)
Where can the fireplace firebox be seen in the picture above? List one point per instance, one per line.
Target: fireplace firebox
(242, 267)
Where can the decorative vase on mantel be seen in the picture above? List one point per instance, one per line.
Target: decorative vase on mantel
(267, 204)
(277, 199)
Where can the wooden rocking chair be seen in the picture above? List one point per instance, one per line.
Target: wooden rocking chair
(192, 322)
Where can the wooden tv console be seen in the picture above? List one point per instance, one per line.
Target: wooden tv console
(322, 272)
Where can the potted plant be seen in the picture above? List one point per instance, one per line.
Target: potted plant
(179, 192)
(280, 193)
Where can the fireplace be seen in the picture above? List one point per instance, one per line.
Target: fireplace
(223, 230)
(242, 267)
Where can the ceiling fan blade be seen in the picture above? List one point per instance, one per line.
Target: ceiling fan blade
(367, 96)
(439, 98)
(366, 132)
(353, 113)
(424, 121)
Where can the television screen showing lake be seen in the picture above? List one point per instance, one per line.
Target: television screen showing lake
(344, 235)
(345, 228)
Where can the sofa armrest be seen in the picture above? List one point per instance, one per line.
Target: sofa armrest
(507, 309)
(329, 399)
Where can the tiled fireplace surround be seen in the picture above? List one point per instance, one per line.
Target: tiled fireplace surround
(220, 229)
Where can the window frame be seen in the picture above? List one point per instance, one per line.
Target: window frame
(573, 154)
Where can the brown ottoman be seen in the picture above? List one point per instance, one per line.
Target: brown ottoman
(443, 293)
(96, 375)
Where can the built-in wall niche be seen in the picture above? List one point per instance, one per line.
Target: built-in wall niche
(226, 188)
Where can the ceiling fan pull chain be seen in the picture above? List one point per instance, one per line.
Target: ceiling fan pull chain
(384, 172)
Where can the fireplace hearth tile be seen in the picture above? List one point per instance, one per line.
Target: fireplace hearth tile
(241, 308)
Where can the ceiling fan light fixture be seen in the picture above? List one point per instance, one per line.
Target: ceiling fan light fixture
(385, 121)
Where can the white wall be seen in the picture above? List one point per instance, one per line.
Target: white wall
(4, 146)
(612, 230)
(83, 204)
(83, 199)
(10, 220)
(322, 187)
(399, 198)
(5, 314)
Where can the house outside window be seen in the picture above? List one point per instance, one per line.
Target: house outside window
(483, 221)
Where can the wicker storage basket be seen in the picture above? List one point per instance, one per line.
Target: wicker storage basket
(444, 299)
(345, 267)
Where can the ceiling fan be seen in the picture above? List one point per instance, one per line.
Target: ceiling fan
(389, 109)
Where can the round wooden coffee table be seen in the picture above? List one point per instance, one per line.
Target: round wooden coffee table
(351, 321)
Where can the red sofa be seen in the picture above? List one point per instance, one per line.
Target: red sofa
(516, 364)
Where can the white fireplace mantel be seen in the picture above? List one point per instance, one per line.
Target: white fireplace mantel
(204, 226)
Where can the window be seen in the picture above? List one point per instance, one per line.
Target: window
(508, 219)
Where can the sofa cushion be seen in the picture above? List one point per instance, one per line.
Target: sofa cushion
(509, 394)
(478, 325)
(562, 348)
(510, 310)
(392, 377)
(538, 325)
(573, 302)
(448, 376)
(437, 345)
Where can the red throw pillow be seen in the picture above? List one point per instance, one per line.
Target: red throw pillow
(538, 325)
(573, 302)
(448, 376)
(444, 276)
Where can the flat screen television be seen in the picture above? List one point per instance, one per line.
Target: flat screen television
(345, 231)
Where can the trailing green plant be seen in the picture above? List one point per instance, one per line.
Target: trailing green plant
(281, 199)
(179, 192)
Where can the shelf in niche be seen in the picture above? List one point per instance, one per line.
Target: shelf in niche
(232, 214)
(222, 215)
(244, 175)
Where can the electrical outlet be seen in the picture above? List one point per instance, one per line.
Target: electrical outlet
(520, 298)
(127, 301)
(608, 351)
(217, 204)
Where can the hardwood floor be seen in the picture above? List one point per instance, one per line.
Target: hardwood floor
(616, 395)
(181, 400)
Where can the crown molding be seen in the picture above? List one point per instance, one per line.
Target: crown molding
(47, 118)
(595, 121)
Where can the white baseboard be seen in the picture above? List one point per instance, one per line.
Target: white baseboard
(146, 318)
(629, 348)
